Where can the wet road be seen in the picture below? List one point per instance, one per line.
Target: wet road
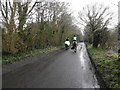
(65, 70)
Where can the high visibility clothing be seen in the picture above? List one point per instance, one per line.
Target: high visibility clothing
(67, 42)
(74, 38)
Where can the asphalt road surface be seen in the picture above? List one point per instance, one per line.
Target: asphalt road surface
(63, 70)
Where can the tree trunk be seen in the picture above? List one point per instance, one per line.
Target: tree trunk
(96, 39)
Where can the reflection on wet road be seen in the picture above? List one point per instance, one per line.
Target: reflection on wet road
(65, 70)
(89, 79)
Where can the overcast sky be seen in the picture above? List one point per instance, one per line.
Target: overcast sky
(76, 5)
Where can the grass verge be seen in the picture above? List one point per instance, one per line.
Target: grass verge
(107, 64)
(9, 59)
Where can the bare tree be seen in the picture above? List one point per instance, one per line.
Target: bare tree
(35, 25)
(14, 16)
(96, 16)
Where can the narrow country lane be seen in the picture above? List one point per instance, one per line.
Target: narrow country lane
(64, 70)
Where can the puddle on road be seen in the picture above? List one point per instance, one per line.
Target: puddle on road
(92, 83)
(82, 60)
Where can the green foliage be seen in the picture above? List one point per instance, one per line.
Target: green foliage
(107, 64)
(12, 58)
(50, 28)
